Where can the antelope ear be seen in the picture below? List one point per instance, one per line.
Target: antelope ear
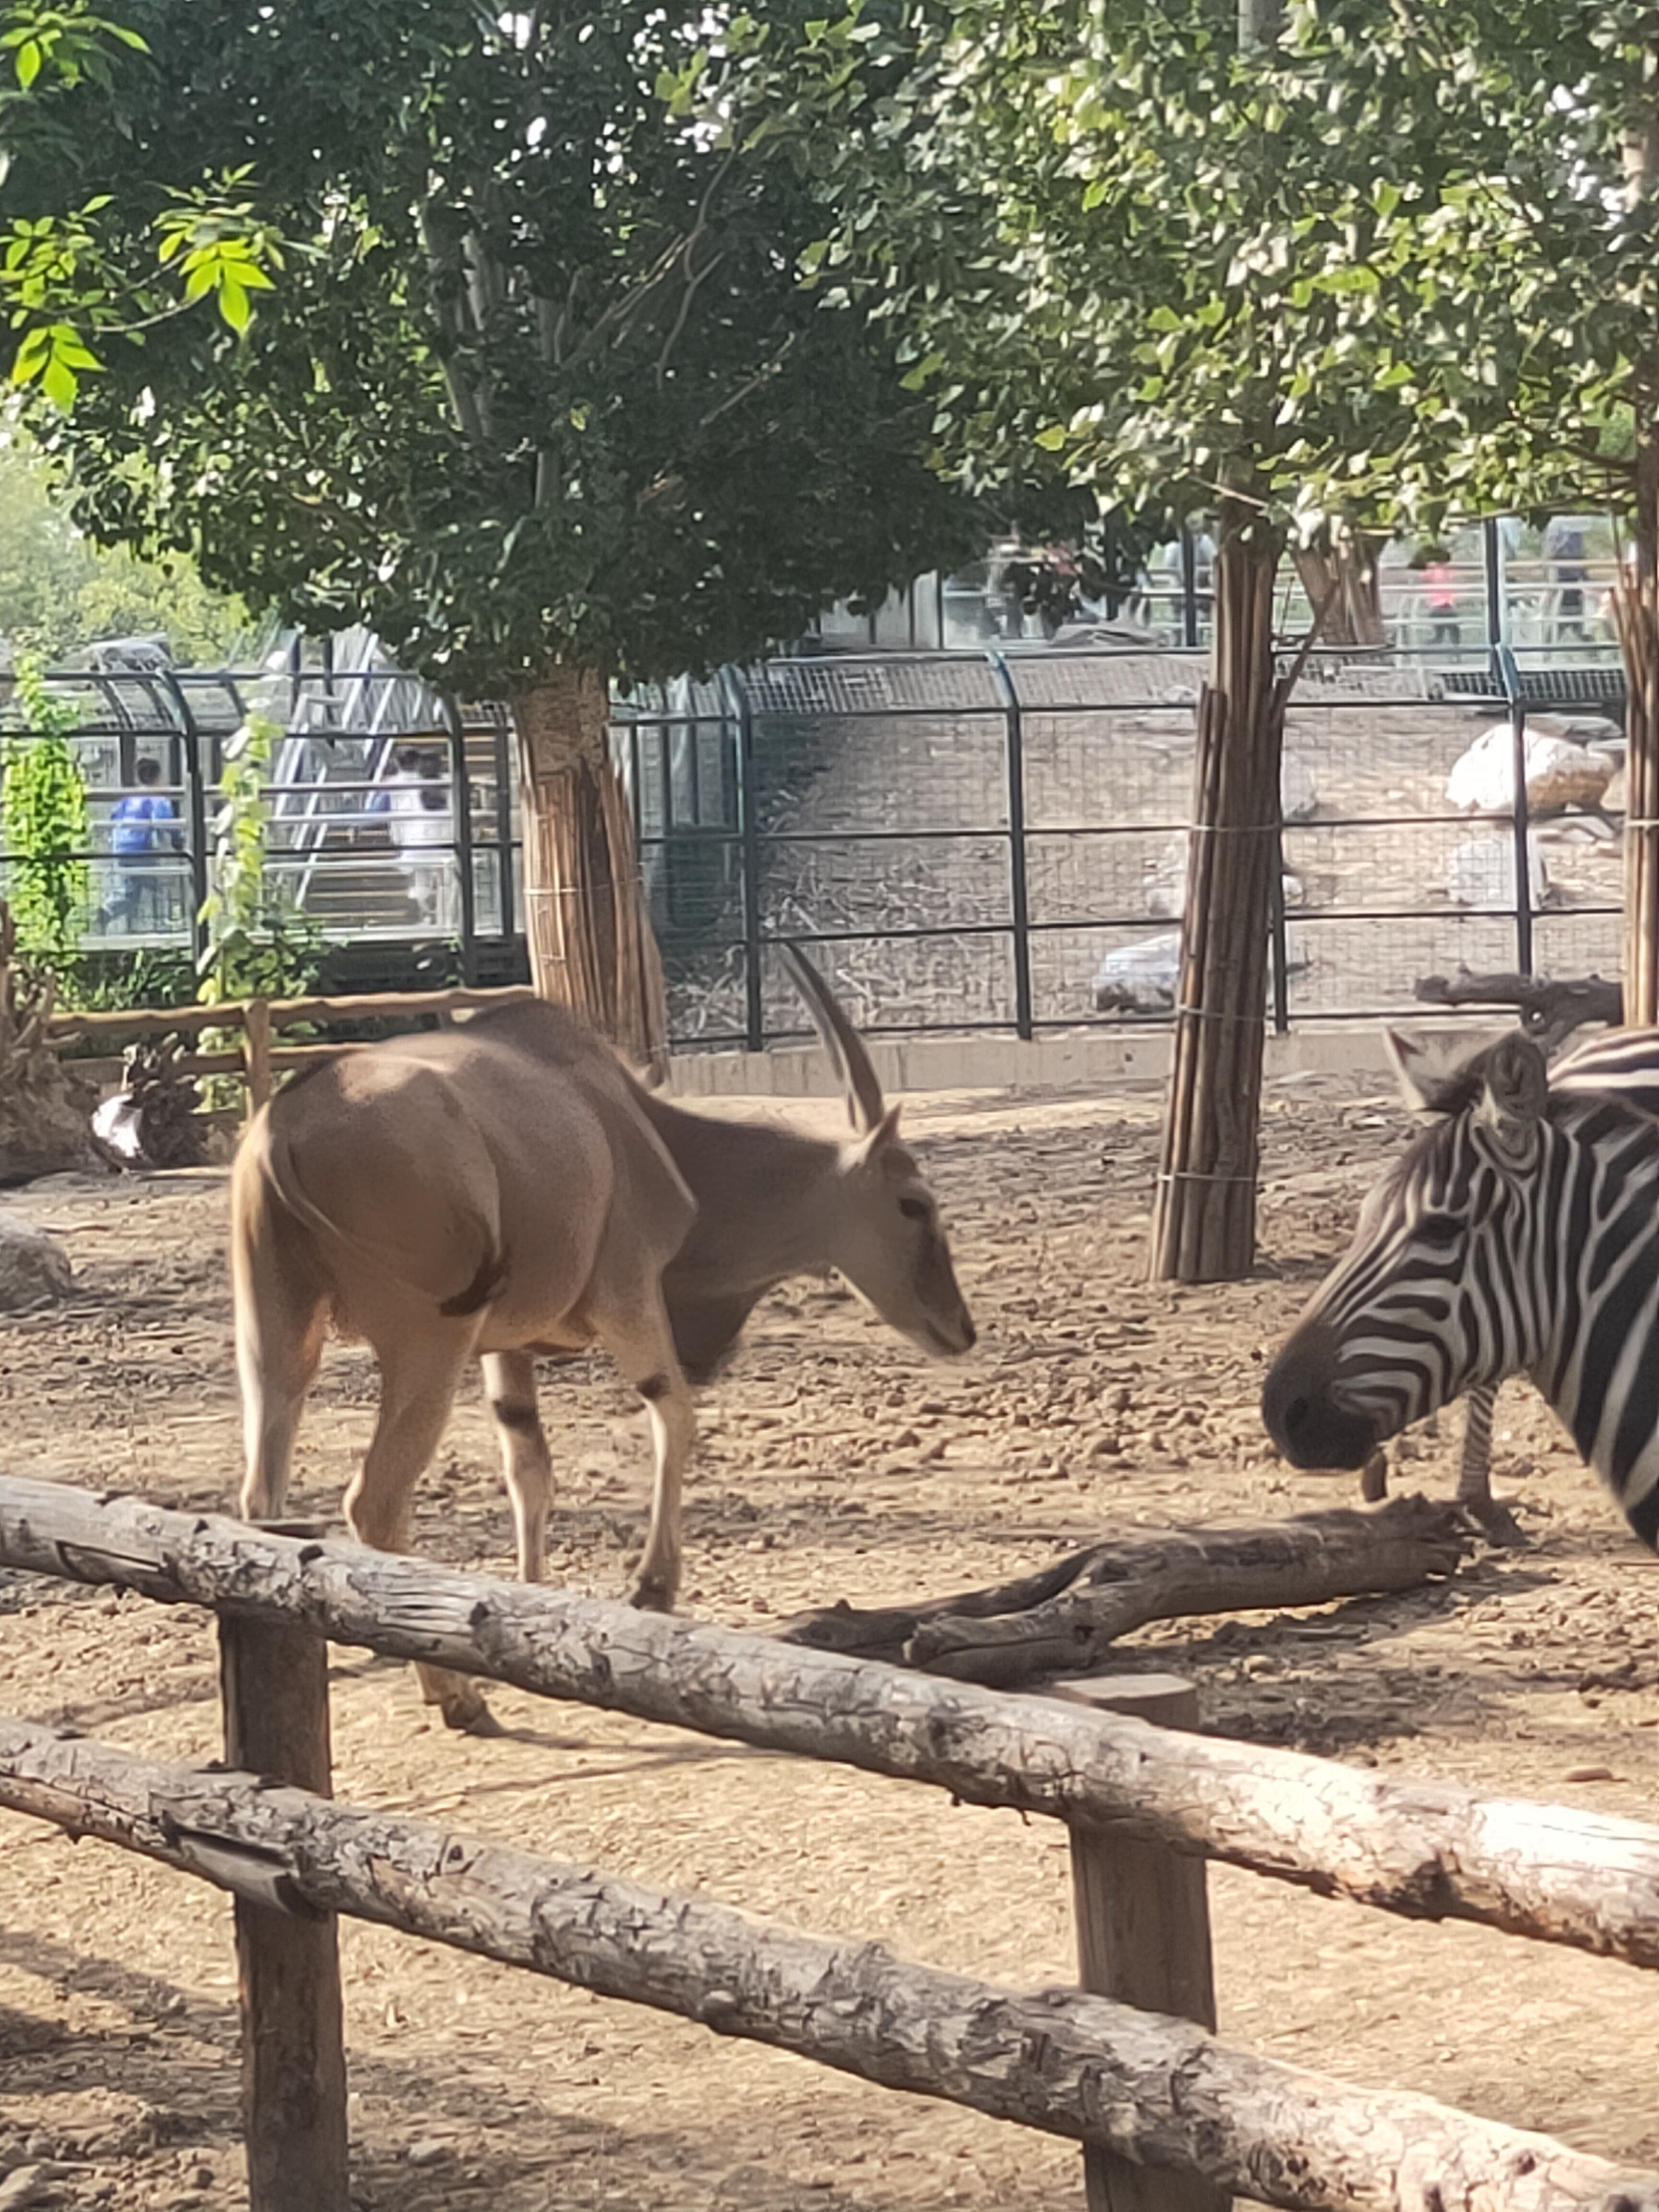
(884, 1133)
(1515, 1092)
(1433, 1077)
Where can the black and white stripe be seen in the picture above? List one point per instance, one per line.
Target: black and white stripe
(1518, 1236)
(1625, 1064)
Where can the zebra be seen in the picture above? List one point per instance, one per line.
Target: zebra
(1624, 1061)
(1520, 1235)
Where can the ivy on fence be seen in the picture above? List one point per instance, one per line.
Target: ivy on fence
(45, 820)
(258, 944)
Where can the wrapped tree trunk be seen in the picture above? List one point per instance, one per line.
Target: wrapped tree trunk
(1636, 614)
(1203, 1221)
(591, 945)
(1339, 575)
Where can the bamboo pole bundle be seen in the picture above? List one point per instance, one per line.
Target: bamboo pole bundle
(591, 947)
(1204, 1223)
(1635, 617)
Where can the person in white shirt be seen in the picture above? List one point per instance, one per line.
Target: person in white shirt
(421, 825)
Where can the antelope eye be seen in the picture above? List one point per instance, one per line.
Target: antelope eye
(913, 1209)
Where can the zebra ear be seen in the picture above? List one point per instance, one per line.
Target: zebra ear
(1515, 1092)
(1433, 1077)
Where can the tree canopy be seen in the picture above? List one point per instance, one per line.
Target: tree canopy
(537, 383)
(63, 288)
(1384, 261)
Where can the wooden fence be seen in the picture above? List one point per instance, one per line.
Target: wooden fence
(1172, 2117)
(260, 1058)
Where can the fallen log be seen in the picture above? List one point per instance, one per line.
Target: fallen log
(1063, 1618)
(1549, 1012)
(1158, 2092)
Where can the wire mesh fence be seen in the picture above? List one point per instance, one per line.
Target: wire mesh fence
(1000, 840)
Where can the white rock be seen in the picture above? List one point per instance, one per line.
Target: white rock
(1140, 978)
(33, 1265)
(1165, 882)
(1558, 773)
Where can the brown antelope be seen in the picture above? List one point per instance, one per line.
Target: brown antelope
(506, 1187)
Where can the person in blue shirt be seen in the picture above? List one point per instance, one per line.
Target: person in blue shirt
(143, 831)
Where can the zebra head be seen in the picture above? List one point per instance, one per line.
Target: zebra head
(1438, 1292)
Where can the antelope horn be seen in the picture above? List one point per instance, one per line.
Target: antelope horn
(846, 1048)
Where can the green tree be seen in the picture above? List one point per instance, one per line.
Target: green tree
(64, 287)
(538, 397)
(1318, 267)
(259, 946)
(58, 591)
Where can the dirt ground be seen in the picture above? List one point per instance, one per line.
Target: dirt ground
(835, 1462)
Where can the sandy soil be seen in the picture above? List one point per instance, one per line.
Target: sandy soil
(836, 1463)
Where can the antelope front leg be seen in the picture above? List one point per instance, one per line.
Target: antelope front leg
(673, 1432)
(643, 1345)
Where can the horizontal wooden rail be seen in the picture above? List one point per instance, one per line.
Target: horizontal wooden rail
(285, 1013)
(1425, 1848)
(1156, 2091)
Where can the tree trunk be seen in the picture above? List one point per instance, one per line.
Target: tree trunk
(1343, 587)
(591, 945)
(1635, 616)
(1203, 1225)
(1427, 1850)
(1159, 2092)
(1066, 1616)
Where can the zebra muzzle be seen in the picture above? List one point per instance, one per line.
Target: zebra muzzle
(1300, 1410)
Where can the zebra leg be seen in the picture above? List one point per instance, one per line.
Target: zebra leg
(1474, 1472)
(1374, 1477)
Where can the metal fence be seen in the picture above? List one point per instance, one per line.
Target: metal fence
(992, 839)
(392, 812)
(998, 841)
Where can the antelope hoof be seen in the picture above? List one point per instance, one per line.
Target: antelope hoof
(469, 1716)
(459, 1701)
(652, 1594)
(1374, 1477)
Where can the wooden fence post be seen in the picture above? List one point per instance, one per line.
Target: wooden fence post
(1143, 1936)
(274, 1681)
(255, 1051)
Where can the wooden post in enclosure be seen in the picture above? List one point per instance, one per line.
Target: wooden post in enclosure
(1635, 616)
(1143, 1936)
(274, 1679)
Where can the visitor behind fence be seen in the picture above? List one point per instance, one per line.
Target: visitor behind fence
(419, 826)
(144, 834)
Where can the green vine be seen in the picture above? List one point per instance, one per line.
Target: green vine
(45, 820)
(257, 944)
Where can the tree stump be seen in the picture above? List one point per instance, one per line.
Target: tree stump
(45, 1125)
